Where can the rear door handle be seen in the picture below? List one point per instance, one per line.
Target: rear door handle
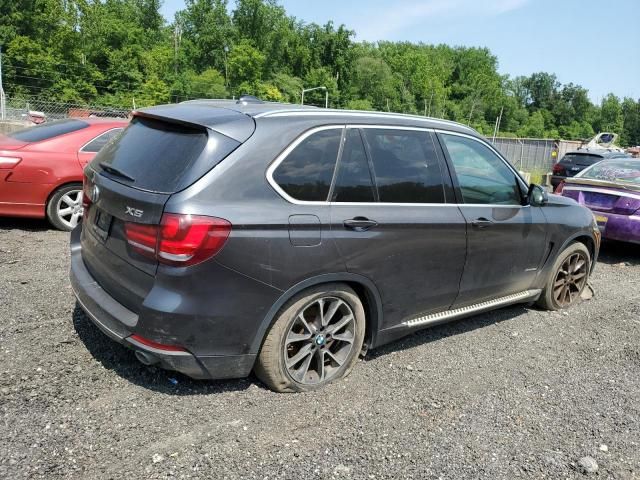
(360, 224)
(481, 223)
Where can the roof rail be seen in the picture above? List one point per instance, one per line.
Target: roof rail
(357, 113)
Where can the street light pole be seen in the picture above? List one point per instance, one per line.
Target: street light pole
(326, 95)
(2, 98)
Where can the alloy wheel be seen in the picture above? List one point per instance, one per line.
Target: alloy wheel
(69, 208)
(319, 341)
(570, 279)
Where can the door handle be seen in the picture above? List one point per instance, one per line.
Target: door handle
(360, 224)
(481, 223)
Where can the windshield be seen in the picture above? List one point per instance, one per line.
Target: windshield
(48, 130)
(618, 171)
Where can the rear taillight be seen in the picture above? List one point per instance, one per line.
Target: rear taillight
(559, 188)
(142, 238)
(9, 162)
(179, 240)
(558, 169)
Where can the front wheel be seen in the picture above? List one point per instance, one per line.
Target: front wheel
(568, 278)
(315, 339)
(64, 209)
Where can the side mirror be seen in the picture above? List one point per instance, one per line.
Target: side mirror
(537, 196)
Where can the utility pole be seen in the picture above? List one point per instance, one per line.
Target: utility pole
(496, 128)
(2, 98)
(177, 36)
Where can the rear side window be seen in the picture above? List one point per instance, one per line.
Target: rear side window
(305, 174)
(48, 130)
(353, 183)
(162, 157)
(100, 141)
(406, 166)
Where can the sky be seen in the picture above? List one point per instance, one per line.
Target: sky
(591, 43)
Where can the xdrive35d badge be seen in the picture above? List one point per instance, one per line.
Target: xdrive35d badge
(287, 240)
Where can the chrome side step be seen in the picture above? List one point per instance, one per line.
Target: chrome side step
(471, 309)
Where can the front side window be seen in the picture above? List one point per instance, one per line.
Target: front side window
(306, 173)
(406, 166)
(353, 182)
(482, 176)
(100, 141)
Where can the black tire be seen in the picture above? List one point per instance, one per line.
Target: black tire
(555, 287)
(59, 200)
(325, 362)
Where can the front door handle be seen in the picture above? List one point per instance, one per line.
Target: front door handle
(481, 222)
(360, 224)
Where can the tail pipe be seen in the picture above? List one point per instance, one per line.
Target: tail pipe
(146, 358)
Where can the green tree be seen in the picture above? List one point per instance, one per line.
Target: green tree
(206, 33)
(611, 119)
(245, 66)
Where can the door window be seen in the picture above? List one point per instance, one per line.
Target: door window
(306, 173)
(482, 176)
(100, 141)
(406, 167)
(353, 183)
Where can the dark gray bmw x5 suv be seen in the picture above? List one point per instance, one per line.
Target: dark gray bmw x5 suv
(222, 237)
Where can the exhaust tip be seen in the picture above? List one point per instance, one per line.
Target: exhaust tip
(145, 358)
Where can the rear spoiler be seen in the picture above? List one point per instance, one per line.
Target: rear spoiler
(229, 123)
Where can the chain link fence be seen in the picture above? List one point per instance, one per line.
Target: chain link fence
(35, 110)
(534, 154)
(526, 154)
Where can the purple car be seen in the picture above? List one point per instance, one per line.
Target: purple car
(611, 189)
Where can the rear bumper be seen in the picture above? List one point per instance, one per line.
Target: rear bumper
(624, 228)
(119, 323)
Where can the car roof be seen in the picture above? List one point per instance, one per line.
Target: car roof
(600, 153)
(259, 109)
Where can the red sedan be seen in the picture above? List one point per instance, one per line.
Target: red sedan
(41, 167)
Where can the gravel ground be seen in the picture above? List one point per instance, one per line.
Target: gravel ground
(516, 393)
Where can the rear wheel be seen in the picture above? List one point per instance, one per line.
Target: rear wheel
(568, 278)
(64, 209)
(315, 339)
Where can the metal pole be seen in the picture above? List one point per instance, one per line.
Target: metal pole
(2, 98)
(326, 95)
(497, 125)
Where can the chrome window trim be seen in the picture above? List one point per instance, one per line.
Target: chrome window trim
(82, 149)
(280, 158)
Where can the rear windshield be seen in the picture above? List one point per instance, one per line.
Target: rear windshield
(161, 157)
(48, 130)
(618, 171)
(581, 158)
